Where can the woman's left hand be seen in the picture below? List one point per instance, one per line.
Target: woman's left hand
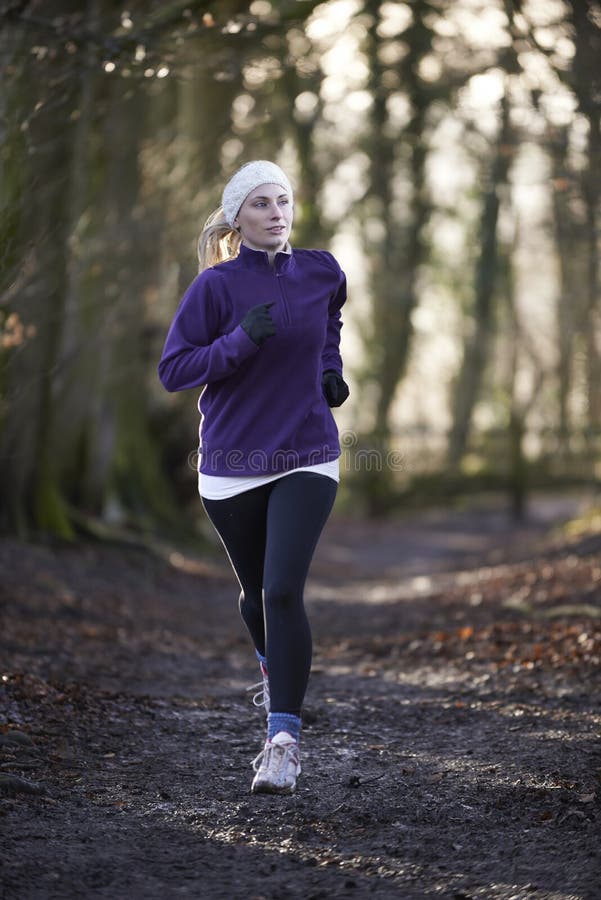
(335, 388)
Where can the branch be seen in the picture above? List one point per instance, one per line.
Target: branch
(158, 23)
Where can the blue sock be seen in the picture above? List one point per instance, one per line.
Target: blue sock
(261, 658)
(283, 722)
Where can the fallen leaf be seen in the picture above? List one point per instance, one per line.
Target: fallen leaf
(435, 778)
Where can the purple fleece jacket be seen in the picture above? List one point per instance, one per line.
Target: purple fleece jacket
(263, 410)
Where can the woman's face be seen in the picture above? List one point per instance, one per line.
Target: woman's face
(265, 218)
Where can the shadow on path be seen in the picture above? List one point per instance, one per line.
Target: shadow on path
(451, 739)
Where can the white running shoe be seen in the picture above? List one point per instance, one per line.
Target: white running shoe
(261, 697)
(277, 766)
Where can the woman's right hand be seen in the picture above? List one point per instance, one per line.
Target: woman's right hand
(258, 323)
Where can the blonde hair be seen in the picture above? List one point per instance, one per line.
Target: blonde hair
(218, 241)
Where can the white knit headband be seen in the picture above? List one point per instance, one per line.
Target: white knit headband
(246, 179)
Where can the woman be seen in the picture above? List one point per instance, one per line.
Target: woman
(260, 329)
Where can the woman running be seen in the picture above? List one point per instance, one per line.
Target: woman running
(259, 328)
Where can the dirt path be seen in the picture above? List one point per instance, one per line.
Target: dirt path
(451, 745)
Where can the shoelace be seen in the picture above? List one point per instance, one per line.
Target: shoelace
(290, 753)
(261, 697)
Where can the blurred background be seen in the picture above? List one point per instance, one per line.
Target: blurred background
(448, 152)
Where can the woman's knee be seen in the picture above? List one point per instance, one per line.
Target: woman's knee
(283, 594)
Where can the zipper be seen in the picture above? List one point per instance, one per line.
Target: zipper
(285, 306)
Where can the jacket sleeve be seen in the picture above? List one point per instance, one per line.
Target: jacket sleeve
(195, 352)
(330, 357)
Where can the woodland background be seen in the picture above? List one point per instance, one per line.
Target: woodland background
(447, 151)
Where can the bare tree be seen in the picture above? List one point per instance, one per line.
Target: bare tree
(477, 346)
(585, 77)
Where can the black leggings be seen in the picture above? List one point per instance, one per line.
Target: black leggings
(270, 534)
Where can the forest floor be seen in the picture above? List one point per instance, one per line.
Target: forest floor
(451, 745)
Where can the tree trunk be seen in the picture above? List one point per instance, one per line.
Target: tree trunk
(18, 402)
(517, 472)
(121, 441)
(308, 226)
(396, 251)
(477, 345)
(30, 479)
(587, 87)
(592, 194)
(569, 299)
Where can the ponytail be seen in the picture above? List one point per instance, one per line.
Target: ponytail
(218, 241)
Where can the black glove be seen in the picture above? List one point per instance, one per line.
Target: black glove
(334, 387)
(258, 323)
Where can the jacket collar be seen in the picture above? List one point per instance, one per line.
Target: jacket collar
(258, 259)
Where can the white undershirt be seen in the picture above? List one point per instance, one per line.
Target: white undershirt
(220, 487)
